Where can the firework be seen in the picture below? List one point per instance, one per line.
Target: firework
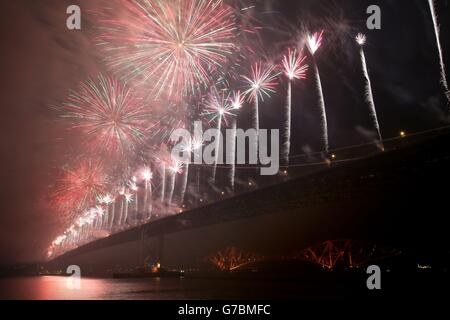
(314, 42)
(113, 119)
(128, 200)
(361, 40)
(195, 144)
(190, 147)
(105, 216)
(237, 101)
(147, 175)
(439, 46)
(261, 84)
(163, 182)
(107, 200)
(89, 218)
(56, 244)
(100, 212)
(98, 222)
(184, 182)
(132, 184)
(174, 169)
(197, 151)
(110, 202)
(163, 158)
(83, 223)
(219, 108)
(175, 46)
(79, 188)
(122, 201)
(294, 68)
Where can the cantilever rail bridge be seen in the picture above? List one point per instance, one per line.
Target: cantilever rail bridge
(397, 198)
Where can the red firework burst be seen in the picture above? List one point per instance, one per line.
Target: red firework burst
(79, 188)
(114, 120)
(174, 46)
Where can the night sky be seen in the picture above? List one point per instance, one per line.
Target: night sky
(41, 61)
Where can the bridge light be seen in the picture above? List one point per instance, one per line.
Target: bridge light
(402, 134)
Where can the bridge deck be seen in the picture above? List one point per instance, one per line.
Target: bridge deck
(397, 197)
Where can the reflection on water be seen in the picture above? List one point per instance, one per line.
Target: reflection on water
(327, 285)
(56, 288)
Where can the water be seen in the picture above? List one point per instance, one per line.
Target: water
(57, 288)
(327, 286)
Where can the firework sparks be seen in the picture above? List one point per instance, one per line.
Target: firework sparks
(100, 215)
(122, 200)
(294, 68)
(75, 234)
(108, 200)
(132, 184)
(191, 146)
(439, 46)
(174, 169)
(294, 65)
(79, 188)
(112, 117)
(237, 101)
(163, 182)
(361, 40)
(195, 147)
(314, 42)
(184, 182)
(262, 83)
(219, 108)
(232, 154)
(174, 45)
(147, 175)
(163, 158)
(128, 200)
